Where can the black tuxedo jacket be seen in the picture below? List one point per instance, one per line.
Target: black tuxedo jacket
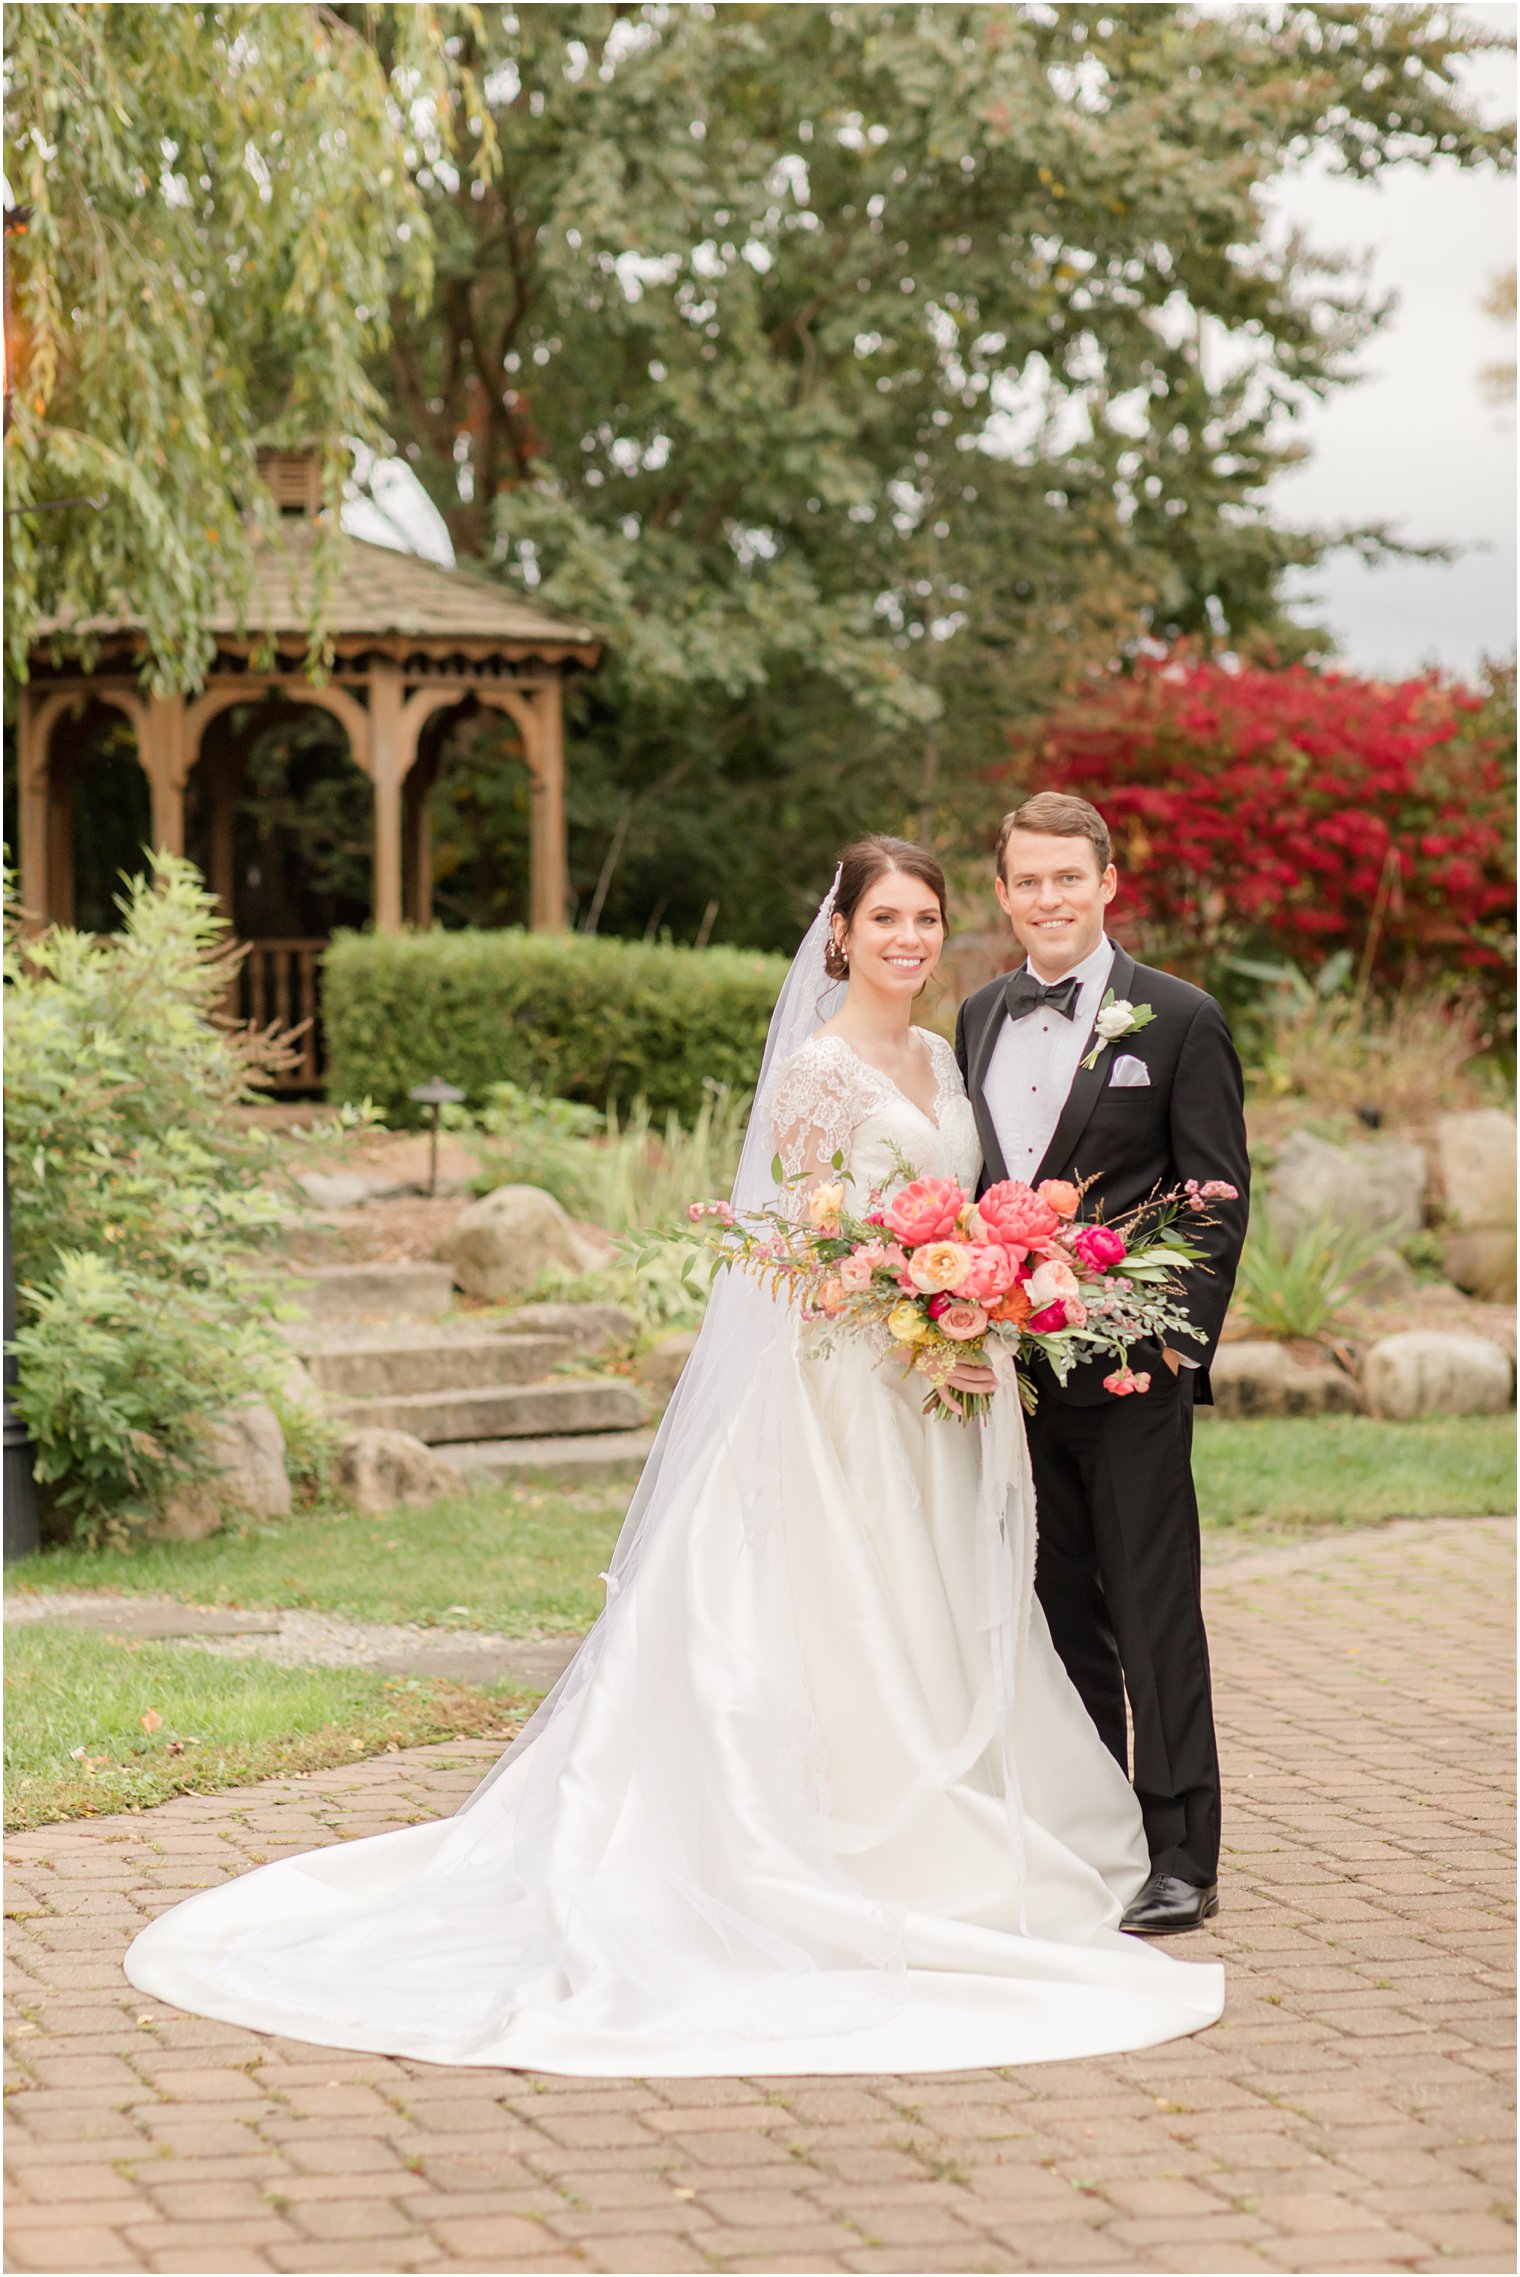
(1187, 1122)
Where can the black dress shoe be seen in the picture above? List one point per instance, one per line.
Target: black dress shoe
(1167, 1905)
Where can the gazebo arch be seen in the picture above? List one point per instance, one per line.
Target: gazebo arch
(407, 639)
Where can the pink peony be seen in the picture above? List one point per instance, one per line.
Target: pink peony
(1014, 1213)
(1049, 1281)
(939, 1265)
(1099, 1247)
(855, 1272)
(924, 1211)
(1050, 1321)
(961, 1321)
(991, 1272)
(1062, 1197)
(1076, 1312)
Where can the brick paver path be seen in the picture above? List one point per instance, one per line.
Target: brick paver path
(1353, 2111)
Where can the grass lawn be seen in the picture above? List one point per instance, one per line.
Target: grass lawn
(1307, 1473)
(518, 1561)
(512, 1559)
(97, 1724)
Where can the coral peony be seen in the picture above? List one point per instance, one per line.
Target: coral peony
(990, 1273)
(1014, 1213)
(926, 1210)
(1062, 1197)
(939, 1265)
(961, 1321)
(1098, 1246)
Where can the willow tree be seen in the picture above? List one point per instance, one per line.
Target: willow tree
(220, 216)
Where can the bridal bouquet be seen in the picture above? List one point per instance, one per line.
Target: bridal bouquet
(938, 1278)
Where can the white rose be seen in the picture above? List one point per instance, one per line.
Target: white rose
(1114, 1019)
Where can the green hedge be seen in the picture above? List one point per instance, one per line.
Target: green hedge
(599, 1020)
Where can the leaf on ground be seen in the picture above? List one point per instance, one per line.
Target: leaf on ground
(150, 1719)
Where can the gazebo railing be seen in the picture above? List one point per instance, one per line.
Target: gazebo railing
(281, 982)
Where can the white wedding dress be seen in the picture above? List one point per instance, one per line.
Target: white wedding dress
(816, 1795)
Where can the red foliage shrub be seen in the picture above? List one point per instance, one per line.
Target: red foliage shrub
(1285, 813)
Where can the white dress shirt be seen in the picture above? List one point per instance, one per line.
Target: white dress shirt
(1033, 1064)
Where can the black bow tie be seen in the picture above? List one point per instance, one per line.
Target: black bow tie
(1023, 994)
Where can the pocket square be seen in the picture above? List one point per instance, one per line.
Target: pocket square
(1129, 1073)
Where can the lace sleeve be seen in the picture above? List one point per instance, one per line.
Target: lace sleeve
(814, 1109)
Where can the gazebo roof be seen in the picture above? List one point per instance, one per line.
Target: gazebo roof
(377, 593)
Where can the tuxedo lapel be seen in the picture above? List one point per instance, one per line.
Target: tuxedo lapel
(982, 1048)
(1087, 1083)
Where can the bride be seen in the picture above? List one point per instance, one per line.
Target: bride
(816, 1794)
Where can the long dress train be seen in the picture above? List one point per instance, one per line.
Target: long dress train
(815, 1796)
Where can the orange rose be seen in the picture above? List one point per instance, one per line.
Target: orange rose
(1063, 1198)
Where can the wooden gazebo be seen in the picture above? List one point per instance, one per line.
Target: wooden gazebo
(410, 640)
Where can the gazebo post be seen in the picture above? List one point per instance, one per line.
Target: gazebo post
(164, 763)
(550, 876)
(387, 767)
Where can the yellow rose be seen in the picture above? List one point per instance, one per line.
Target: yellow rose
(824, 1206)
(907, 1324)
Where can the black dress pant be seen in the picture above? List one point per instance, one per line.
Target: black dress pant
(1118, 1578)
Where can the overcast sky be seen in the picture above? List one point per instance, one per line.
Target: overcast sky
(1414, 444)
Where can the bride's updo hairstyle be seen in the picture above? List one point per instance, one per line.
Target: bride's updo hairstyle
(860, 865)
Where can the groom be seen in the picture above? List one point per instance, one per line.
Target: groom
(1118, 1561)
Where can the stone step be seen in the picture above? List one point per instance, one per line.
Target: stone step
(385, 1362)
(403, 1291)
(527, 1411)
(604, 1458)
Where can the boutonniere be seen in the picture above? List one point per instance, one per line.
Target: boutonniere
(1117, 1017)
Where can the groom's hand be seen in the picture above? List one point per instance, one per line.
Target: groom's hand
(1172, 1359)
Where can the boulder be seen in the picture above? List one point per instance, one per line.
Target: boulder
(1367, 1187)
(1481, 1259)
(1427, 1371)
(334, 1189)
(659, 1369)
(500, 1246)
(1474, 1161)
(377, 1470)
(1387, 1278)
(244, 1451)
(299, 1390)
(591, 1327)
(1257, 1377)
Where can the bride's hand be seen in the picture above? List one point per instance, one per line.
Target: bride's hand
(971, 1376)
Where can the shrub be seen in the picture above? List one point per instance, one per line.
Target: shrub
(619, 1172)
(1399, 1059)
(1291, 813)
(1300, 1287)
(601, 1021)
(134, 1195)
